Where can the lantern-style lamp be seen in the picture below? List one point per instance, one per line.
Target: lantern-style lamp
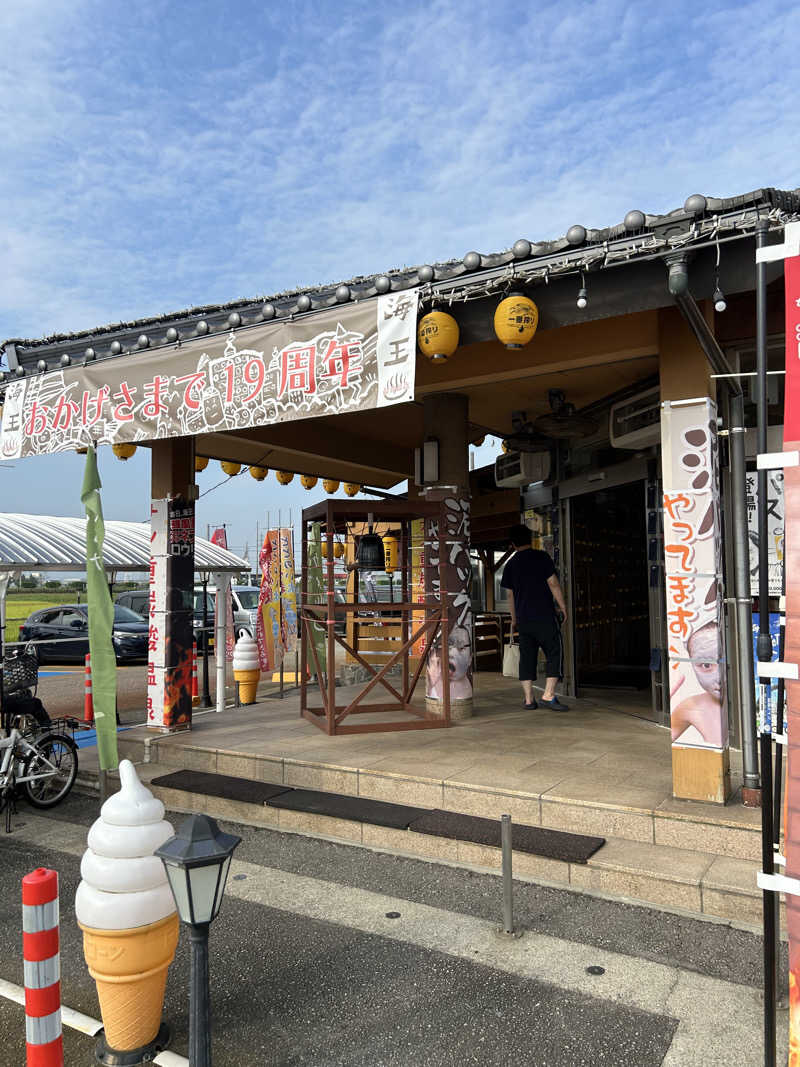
(330, 485)
(391, 550)
(124, 451)
(200, 463)
(284, 477)
(259, 473)
(515, 320)
(197, 861)
(338, 549)
(437, 336)
(231, 469)
(351, 488)
(308, 481)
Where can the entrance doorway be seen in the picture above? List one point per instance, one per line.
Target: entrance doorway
(610, 593)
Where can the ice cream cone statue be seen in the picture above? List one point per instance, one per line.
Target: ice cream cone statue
(246, 669)
(126, 911)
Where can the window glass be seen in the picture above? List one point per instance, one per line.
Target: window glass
(72, 619)
(248, 598)
(122, 614)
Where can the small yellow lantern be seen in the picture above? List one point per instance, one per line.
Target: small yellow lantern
(81, 451)
(259, 473)
(231, 469)
(351, 488)
(515, 320)
(330, 485)
(338, 549)
(200, 463)
(308, 481)
(391, 549)
(124, 451)
(437, 336)
(284, 477)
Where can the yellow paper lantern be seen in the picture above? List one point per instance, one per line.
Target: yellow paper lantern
(391, 549)
(259, 473)
(308, 481)
(284, 477)
(330, 485)
(437, 336)
(124, 451)
(338, 549)
(200, 463)
(351, 488)
(515, 320)
(231, 469)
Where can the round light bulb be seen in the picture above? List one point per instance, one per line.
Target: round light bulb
(719, 300)
(583, 299)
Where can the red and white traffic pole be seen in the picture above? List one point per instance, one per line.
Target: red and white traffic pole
(88, 702)
(40, 949)
(195, 689)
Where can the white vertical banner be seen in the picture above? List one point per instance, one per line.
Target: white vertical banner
(396, 347)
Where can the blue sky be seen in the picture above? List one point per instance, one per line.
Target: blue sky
(164, 154)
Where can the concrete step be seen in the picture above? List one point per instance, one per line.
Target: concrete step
(663, 876)
(733, 832)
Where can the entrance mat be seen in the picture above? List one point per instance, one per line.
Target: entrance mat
(220, 785)
(554, 844)
(356, 809)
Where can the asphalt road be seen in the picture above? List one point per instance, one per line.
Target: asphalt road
(307, 968)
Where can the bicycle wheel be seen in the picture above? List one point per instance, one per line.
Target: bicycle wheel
(52, 751)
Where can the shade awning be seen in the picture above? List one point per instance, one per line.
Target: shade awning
(58, 543)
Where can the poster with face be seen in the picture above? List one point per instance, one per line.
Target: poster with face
(692, 556)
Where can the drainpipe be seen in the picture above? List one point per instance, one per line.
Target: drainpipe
(751, 785)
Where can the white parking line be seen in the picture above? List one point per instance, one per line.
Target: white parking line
(76, 1020)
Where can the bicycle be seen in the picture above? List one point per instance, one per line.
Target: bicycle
(43, 762)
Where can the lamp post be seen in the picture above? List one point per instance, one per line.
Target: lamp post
(197, 861)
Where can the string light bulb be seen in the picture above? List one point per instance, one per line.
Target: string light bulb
(583, 295)
(720, 304)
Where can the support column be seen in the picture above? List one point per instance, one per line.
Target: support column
(446, 421)
(693, 563)
(169, 668)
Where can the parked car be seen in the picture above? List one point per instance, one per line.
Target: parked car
(245, 606)
(64, 633)
(138, 600)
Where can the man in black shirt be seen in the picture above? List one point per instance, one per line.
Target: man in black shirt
(534, 592)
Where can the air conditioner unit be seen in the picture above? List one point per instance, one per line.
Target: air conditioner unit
(636, 422)
(521, 468)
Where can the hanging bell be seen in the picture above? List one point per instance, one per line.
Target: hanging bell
(371, 555)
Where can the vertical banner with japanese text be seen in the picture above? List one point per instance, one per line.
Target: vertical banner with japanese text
(171, 631)
(693, 564)
(791, 443)
(352, 357)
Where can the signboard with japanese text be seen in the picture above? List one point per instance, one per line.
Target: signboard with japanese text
(774, 529)
(693, 565)
(276, 626)
(453, 667)
(348, 358)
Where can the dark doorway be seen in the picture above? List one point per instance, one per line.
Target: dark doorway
(610, 597)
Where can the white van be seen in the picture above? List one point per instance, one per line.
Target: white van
(245, 607)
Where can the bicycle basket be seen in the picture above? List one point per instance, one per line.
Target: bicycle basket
(20, 671)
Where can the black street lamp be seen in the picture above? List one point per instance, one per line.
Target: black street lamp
(197, 861)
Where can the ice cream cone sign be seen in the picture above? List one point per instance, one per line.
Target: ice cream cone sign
(126, 910)
(246, 668)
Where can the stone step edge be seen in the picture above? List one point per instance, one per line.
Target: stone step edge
(609, 880)
(688, 817)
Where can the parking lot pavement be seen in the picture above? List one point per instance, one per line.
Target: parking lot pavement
(314, 963)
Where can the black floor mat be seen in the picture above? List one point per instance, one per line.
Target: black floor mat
(221, 785)
(554, 844)
(357, 809)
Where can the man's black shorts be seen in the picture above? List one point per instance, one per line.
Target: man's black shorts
(545, 634)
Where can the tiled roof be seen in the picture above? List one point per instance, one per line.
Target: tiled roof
(639, 235)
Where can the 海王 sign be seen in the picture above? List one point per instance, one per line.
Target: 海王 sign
(348, 358)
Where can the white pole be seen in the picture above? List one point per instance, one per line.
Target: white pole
(222, 584)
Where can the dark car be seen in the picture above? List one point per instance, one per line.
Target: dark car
(64, 633)
(138, 600)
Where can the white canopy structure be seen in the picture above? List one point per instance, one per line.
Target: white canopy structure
(49, 543)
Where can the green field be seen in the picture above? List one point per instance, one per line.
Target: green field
(20, 605)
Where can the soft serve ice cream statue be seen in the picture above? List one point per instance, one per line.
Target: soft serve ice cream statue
(246, 668)
(127, 913)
